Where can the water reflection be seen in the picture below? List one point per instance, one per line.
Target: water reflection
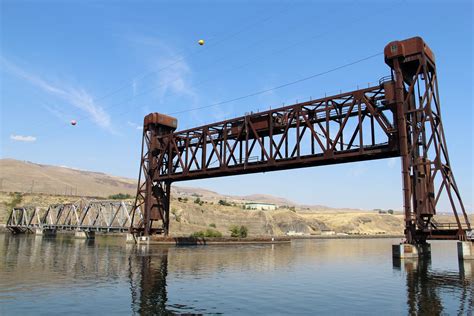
(147, 274)
(305, 277)
(425, 286)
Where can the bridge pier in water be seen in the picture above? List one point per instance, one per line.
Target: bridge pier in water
(82, 234)
(411, 251)
(465, 250)
(45, 232)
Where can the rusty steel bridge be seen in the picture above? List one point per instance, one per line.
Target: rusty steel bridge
(399, 117)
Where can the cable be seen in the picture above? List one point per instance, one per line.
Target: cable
(180, 56)
(233, 68)
(277, 87)
(210, 79)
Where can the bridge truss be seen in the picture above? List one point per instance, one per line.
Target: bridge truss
(91, 216)
(400, 117)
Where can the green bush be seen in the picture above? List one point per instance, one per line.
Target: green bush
(212, 225)
(16, 199)
(206, 233)
(224, 203)
(120, 196)
(240, 232)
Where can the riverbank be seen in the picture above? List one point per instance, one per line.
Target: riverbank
(189, 241)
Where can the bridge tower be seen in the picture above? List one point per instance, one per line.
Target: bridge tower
(153, 197)
(426, 170)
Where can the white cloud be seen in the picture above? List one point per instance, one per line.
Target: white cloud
(135, 126)
(173, 73)
(174, 79)
(76, 97)
(20, 138)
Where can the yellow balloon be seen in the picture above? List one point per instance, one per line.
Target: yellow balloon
(201, 42)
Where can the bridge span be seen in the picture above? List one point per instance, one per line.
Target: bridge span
(88, 216)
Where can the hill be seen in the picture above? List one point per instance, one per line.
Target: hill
(41, 185)
(25, 176)
(29, 177)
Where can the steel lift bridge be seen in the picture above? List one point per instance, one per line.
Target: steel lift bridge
(399, 117)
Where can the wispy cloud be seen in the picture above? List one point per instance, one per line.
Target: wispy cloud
(135, 126)
(173, 73)
(174, 79)
(20, 138)
(76, 97)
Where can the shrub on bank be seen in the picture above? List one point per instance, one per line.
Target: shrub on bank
(120, 196)
(240, 232)
(16, 199)
(206, 233)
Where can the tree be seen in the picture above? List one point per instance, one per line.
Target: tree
(239, 232)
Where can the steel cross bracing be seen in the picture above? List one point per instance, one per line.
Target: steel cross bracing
(348, 127)
(97, 216)
(398, 117)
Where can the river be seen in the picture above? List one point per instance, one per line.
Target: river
(319, 277)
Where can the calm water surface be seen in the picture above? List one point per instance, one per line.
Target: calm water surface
(105, 276)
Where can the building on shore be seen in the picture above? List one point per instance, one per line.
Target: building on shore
(260, 206)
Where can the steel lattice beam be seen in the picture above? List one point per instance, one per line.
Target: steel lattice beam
(103, 216)
(399, 117)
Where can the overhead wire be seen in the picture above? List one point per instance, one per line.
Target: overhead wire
(252, 94)
(180, 57)
(85, 116)
(279, 86)
(228, 70)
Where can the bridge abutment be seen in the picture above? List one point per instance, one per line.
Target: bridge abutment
(409, 251)
(465, 250)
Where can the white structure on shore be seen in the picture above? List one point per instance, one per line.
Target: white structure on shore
(260, 206)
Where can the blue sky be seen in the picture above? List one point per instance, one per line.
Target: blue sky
(106, 64)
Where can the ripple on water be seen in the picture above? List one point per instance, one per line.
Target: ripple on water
(304, 277)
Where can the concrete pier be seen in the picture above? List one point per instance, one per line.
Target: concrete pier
(465, 250)
(409, 251)
(466, 269)
(130, 239)
(143, 240)
(80, 234)
(45, 232)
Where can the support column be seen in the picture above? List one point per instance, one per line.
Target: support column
(410, 251)
(465, 250)
(45, 232)
(130, 239)
(81, 234)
